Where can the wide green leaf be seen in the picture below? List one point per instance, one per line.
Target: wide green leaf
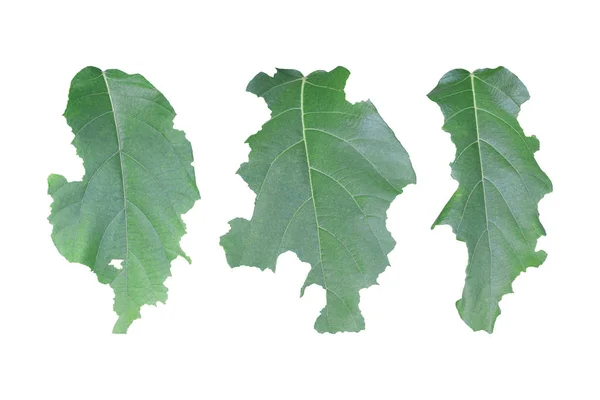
(495, 208)
(138, 182)
(324, 172)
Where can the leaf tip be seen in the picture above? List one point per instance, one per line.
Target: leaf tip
(263, 83)
(233, 241)
(55, 182)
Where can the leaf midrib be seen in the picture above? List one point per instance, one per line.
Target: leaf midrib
(122, 153)
(318, 226)
(312, 194)
(487, 225)
(122, 163)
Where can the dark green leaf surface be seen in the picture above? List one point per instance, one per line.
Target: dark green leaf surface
(495, 208)
(138, 181)
(324, 172)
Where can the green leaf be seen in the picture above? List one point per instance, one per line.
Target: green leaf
(324, 172)
(138, 181)
(495, 208)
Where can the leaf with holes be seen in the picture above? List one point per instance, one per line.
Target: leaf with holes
(138, 182)
(324, 172)
(495, 208)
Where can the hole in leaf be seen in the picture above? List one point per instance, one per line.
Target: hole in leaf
(116, 264)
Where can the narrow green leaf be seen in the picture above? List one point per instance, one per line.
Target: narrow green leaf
(324, 172)
(495, 208)
(138, 182)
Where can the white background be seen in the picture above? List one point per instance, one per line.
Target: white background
(246, 334)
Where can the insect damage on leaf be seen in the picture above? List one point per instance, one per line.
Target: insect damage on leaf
(495, 208)
(324, 172)
(138, 182)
